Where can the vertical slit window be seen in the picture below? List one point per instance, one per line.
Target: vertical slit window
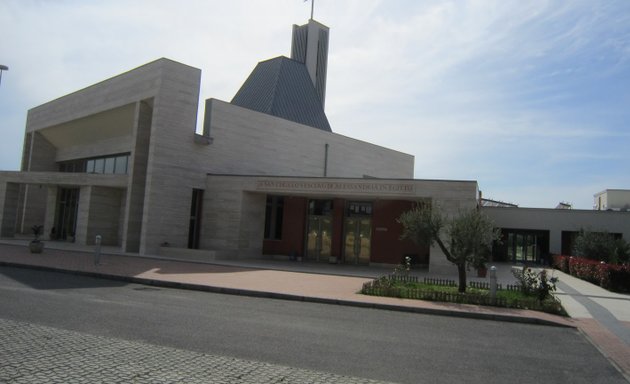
(274, 214)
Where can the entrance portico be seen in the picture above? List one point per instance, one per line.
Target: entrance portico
(77, 205)
(341, 220)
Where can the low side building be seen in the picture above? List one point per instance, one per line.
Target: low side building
(612, 200)
(532, 234)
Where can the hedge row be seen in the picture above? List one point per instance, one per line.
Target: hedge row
(609, 276)
(376, 288)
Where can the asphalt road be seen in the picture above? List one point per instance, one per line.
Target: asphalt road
(366, 343)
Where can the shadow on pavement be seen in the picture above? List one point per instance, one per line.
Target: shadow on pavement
(48, 280)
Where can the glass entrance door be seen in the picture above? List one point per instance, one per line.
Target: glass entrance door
(318, 238)
(357, 241)
(523, 247)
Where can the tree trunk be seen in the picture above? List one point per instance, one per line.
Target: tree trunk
(461, 269)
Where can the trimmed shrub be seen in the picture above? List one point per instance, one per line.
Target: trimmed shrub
(613, 277)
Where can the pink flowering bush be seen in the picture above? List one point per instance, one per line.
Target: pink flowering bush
(584, 269)
(561, 262)
(614, 277)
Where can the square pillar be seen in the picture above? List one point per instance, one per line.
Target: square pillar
(9, 195)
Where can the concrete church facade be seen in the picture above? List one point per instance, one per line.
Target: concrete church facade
(267, 176)
(121, 159)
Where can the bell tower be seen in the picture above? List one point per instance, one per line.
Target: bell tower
(310, 47)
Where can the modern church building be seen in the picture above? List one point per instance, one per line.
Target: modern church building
(267, 176)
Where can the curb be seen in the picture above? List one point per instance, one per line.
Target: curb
(290, 297)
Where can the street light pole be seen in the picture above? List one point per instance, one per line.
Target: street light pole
(2, 68)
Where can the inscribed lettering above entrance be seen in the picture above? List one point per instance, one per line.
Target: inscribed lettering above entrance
(335, 187)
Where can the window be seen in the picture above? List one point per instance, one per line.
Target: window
(274, 213)
(320, 207)
(118, 165)
(359, 208)
(99, 165)
(121, 165)
(72, 166)
(109, 165)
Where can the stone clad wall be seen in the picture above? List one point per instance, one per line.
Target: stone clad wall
(247, 142)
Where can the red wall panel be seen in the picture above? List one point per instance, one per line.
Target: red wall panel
(387, 247)
(293, 222)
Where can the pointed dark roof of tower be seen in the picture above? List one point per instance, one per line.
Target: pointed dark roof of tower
(282, 87)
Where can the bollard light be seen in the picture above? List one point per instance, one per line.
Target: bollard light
(97, 250)
(493, 283)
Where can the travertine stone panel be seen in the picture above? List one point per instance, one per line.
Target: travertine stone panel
(51, 207)
(252, 228)
(41, 155)
(176, 164)
(83, 215)
(9, 193)
(138, 173)
(247, 142)
(104, 215)
(33, 212)
(101, 148)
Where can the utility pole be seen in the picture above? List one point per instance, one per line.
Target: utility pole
(5, 68)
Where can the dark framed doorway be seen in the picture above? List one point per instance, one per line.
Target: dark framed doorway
(522, 246)
(194, 225)
(358, 232)
(319, 230)
(66, 214)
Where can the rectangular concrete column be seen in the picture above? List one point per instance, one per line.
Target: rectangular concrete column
(51, 208)
(252, 226)
(134, 209)
(83, 215)
(555, 241)
(104, 215)
(9, 195)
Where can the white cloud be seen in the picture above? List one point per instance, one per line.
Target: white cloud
(486, 90)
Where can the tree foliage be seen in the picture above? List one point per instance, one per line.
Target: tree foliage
(601, 246)
(465, 240)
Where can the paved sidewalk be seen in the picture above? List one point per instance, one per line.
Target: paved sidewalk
(602, 316)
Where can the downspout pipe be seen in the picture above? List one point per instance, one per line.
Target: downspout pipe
(326, 160)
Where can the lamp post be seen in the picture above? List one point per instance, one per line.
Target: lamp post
(2, 68)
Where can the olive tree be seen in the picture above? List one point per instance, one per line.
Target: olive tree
(602, 246)
(465, 239)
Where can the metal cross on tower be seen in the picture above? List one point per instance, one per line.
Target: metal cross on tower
(312, 7)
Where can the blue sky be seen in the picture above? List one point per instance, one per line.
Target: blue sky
(529, 98)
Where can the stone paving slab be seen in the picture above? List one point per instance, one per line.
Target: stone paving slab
(617, 303)
(38, 354)
(608, 344)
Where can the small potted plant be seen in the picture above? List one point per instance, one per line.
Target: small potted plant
(480, 266)
(36, 245)
(482, 270)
